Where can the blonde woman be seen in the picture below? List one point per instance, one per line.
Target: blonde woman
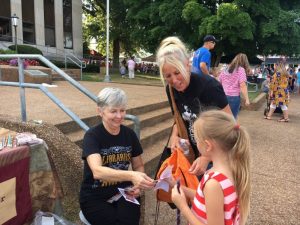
(223, 195)
(193, 94)
(279, 93)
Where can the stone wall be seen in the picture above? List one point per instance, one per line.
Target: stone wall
(74, 73)
(65, 155)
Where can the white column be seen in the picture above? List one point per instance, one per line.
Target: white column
(39, 23)
(59, 28)
(16, 8)
(77, 27)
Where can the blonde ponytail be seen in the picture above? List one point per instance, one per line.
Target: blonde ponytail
(239, 160)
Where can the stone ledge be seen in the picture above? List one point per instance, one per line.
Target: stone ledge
(74, 73)
(255, 104)
(66, 157)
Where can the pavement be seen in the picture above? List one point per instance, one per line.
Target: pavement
(275, 166)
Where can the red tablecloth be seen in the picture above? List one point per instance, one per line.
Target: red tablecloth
(15, 199)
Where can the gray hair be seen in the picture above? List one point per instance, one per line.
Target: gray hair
(172, 51)
(111, 97)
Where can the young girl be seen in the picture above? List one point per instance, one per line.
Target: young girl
(223, 194)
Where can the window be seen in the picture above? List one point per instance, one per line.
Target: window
(49, 18)
(68, 31)
(28, 21)
(5, 21)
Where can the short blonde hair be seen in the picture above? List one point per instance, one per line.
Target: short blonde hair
(172, 51)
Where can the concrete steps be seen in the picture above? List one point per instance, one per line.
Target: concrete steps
(155, 126)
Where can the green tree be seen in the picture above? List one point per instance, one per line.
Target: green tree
(276, 32)
(249, 26)
(119, 28)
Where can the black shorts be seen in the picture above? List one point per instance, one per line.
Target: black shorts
(120, 212)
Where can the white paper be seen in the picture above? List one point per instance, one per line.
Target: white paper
(167, 173)
(162, 185)
(47, 220)
(128, 197)
(162, 180)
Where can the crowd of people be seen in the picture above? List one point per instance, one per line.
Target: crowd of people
(130, 67)
(208, 106)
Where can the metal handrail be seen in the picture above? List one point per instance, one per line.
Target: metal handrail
(51, 96)
(78, 62)
(23, 85)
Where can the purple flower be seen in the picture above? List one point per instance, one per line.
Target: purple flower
(13, 62)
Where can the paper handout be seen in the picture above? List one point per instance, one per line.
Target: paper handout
(162, 180)
(128, 197)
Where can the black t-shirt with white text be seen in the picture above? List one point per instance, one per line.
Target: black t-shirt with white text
(203, 93)
(116, 152)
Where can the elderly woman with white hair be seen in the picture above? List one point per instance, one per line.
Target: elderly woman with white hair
(108, 150)
(192, 94)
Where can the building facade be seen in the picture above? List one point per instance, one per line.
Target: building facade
(53, 26)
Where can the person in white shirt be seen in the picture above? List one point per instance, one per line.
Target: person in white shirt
(131, 66)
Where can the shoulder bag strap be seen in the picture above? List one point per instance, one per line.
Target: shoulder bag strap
(182, 131)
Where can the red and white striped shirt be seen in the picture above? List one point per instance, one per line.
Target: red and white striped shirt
(231, 210)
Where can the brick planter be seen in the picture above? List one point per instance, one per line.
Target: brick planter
(11, 73)
(255, 104)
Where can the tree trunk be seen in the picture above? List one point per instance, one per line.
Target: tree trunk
(218, 60)
(116, 53)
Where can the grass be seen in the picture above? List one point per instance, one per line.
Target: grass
(140, 79)
(143, 79)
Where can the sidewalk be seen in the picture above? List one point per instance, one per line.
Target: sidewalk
(275, 171)
(40, 107)
(275, 166)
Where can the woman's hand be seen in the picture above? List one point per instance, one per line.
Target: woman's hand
(199, 165)
(174, 141)
(178, 199)
(141, 180)
(135, 192)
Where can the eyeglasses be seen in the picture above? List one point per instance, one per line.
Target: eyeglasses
(213, 42)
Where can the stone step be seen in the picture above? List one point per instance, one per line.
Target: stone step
(149, 118)
(152, 155)
(156, 108)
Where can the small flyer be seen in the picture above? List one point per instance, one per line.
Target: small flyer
(162, 181)
(128, 197)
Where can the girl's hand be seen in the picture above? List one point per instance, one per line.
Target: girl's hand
(178, 199)
(247, 102)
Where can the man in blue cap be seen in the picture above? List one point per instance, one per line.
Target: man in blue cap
(202, 56)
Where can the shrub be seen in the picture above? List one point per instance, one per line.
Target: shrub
(61, 64)
(26, 49)
(7, 51)
(91, 68)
